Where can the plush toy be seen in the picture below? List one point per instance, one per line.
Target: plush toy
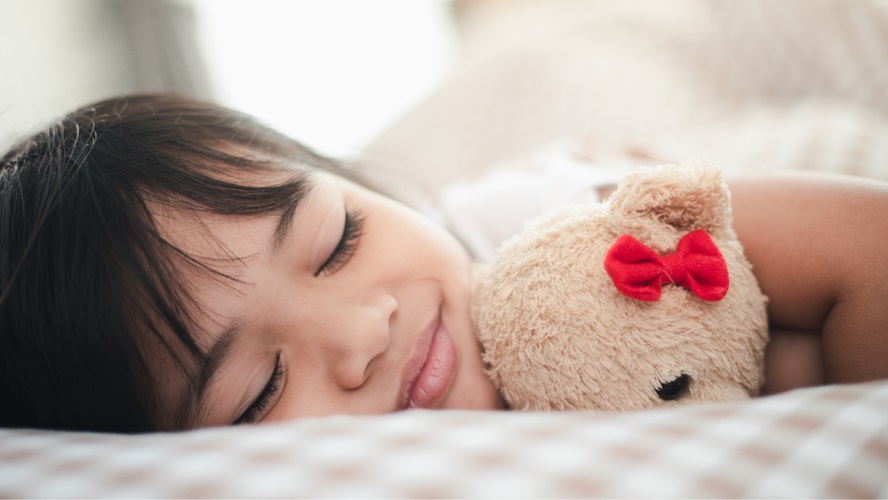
(645, 300)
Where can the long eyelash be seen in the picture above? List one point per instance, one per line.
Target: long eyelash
(271, 388)
(351, 232)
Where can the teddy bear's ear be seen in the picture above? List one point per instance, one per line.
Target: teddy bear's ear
(658, 204)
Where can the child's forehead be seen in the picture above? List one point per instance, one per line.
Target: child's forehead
(220, 237)
(222, 242)
(228, 244)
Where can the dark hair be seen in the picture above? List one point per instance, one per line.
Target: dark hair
(85, 274)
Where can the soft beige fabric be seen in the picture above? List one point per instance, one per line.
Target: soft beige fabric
(753, 84)
(558, 335)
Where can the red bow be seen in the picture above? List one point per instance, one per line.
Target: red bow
(697, 265)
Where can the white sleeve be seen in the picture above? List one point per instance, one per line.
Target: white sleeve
(486, 212)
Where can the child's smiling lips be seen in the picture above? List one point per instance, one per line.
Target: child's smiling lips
(430, 369)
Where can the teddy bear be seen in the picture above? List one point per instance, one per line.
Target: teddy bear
(645, 300)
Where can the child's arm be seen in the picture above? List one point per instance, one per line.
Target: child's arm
(819, 248)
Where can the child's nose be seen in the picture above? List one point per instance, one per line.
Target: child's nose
(364, 337)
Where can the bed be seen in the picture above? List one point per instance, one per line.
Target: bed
(747, 85)
(814, 443)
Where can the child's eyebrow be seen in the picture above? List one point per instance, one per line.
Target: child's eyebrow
(216, 357)
(285, 219)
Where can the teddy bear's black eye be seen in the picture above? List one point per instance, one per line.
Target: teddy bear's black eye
(674, 389)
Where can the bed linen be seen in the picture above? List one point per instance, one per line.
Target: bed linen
(750, 85)
(815, 443)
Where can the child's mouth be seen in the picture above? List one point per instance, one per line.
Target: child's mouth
(437, 372)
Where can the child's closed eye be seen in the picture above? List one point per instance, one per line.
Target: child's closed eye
(348, 242)
(272, 387)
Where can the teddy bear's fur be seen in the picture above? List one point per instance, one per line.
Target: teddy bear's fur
(557, 334)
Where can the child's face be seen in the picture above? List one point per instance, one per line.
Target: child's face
(378, 326)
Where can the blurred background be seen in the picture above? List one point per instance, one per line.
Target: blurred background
(432, 91)
(332, 73)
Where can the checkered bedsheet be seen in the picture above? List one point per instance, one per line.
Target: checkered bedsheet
(824, 442)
